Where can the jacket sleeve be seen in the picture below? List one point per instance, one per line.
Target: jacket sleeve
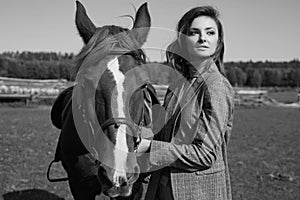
(195, 144)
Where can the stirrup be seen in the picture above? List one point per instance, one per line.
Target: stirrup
(54, 179)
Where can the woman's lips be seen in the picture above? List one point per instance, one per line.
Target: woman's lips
(202, 47)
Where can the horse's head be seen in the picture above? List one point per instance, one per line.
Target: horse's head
(105, 65)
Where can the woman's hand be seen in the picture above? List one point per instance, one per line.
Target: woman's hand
(144, 146)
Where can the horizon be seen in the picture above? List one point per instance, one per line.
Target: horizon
(154, 61)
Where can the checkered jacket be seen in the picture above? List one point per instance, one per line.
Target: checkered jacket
(193, 142)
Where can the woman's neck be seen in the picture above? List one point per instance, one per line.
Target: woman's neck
(200, 65)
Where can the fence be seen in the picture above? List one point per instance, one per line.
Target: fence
(27, 90)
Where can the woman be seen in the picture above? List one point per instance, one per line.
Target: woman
(190, 151)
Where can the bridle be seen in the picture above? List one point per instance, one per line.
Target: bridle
(136, 129)
(133, 128)
(117, 121)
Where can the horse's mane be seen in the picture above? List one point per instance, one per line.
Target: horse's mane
(105, 40)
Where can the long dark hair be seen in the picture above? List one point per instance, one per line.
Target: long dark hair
(177, 55)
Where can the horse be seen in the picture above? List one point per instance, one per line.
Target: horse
(101, 116)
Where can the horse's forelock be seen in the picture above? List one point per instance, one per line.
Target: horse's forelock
(107, 39)
(84, 55)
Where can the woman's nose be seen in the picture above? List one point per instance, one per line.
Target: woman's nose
(202, 38)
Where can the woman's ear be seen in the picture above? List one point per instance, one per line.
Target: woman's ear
(84, 25)
(142, 24)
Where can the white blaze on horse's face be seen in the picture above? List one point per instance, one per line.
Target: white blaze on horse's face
(121, 149)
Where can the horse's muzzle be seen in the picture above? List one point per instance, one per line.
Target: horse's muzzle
(123, 191)
(122, 188)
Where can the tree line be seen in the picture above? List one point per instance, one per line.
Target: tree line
(36, 65)
(52, 65)
(264, 74)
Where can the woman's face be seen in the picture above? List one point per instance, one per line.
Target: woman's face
(202, 38)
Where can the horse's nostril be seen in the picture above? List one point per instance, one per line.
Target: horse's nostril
(123, 181)
(124, 184)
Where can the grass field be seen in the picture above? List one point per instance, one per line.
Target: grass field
(264, 154)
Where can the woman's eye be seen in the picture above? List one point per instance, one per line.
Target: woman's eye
(211, 32)
(191, 33)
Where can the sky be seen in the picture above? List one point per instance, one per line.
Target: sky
(257, 30)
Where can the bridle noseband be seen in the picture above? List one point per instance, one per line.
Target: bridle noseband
(135, 129)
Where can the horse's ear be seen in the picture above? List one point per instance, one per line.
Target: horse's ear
(84, 25)
(142, 24)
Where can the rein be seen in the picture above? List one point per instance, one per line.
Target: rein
(133, 128)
